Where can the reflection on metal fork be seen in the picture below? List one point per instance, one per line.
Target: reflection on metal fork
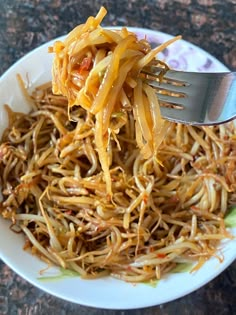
(195, 98)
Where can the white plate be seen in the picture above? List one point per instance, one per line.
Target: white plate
(107, 292)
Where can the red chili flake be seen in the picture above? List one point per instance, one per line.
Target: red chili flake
(145, 199)
(174, 199)
(85, 64)
(108, 197)
(27, 244)
(69, 212)
(151, 249)
(98, 229)
(194, 208)
(161, 255)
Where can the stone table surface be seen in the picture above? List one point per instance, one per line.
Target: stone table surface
(25, 24)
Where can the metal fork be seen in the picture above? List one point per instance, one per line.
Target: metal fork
(195, 98)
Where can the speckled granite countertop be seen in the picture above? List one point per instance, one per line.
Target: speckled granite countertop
(26, 24)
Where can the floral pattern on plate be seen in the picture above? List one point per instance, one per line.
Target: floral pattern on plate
(182, 55)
